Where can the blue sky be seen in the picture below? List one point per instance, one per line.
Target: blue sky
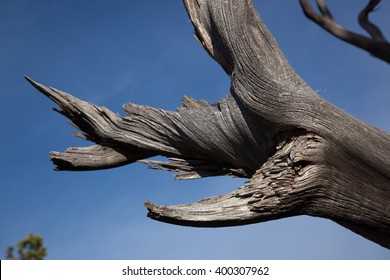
(113, 52)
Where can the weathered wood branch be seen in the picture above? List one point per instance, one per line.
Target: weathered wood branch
(376, 44)
(221, 135)
(302, 155)
(366, 24)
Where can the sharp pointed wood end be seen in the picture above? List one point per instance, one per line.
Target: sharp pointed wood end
(37, 85)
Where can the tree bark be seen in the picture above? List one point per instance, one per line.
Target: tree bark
(302, 155)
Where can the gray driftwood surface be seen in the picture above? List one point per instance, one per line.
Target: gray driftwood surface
(302, 155)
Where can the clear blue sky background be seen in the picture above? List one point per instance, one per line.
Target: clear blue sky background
(113, 52)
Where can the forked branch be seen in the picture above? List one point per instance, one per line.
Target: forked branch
(376, 44)
(301, 154)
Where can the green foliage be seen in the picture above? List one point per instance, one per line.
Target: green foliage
(29, 248)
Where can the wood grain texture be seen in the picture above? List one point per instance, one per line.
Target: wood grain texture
(301, 154)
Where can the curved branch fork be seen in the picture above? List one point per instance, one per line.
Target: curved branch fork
(376, 44)
(301, 154)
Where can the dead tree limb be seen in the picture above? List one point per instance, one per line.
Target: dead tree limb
(376, 44)
(302, 155)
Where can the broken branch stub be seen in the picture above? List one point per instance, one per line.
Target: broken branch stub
(301, 154)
